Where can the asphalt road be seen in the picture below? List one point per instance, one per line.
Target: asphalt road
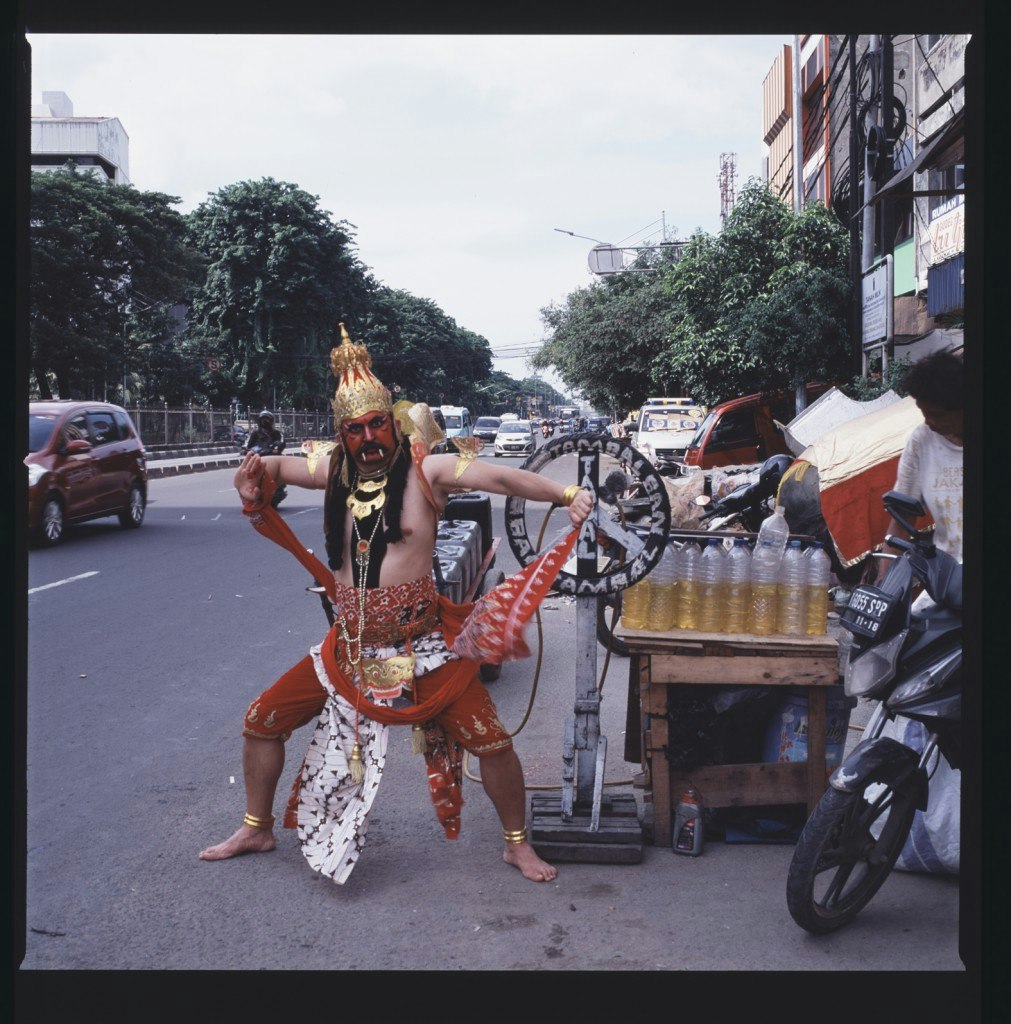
(144, 650)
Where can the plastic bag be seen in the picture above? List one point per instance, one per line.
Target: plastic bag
(682, 492)
(933, 842)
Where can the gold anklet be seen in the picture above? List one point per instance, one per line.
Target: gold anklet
(519, 836)
(254, 822)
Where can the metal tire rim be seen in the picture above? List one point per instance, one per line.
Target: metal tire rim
(619, 577)
(136, 506)
(52, 520)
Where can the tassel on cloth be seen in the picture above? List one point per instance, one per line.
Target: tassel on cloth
(418, 744)
(356, 765)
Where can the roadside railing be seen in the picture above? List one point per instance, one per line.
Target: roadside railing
(199, 424)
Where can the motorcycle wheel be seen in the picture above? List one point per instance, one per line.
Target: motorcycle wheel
(838, 865)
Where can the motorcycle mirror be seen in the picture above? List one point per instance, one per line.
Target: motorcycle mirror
(899, 504)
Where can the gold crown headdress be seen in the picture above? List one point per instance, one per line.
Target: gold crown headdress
(359, 390)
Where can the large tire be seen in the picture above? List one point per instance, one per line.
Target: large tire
(51, 522)
(608, 606)
(831, 877)
(133, 515)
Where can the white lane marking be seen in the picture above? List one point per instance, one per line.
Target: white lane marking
(303, 512)
(59, 583)
(182, 517)
(216, 518)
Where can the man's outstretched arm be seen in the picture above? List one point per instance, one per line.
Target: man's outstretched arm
(440, 471)
(282, 469)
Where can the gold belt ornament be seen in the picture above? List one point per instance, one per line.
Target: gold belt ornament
(387, 677)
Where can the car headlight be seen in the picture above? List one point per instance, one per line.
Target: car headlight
(870, 671)
(35, 473)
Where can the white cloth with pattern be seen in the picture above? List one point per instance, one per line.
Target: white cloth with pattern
(333, 809)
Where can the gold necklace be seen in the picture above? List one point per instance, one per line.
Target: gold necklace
(363, 552)
(367, 496)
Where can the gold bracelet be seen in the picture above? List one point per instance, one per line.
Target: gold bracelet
(570, 492)
(254, 822)
(518, 836)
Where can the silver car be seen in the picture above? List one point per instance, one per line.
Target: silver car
(514, 437)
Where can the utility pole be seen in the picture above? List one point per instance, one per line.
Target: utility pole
(854, 211)
(800, 395)
(870, 118)
(886, 211)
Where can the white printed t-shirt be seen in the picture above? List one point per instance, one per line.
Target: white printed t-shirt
(930, 468)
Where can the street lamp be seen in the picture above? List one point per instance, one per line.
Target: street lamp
(587, 237)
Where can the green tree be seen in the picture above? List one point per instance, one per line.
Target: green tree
(764, 305)
(107, 262)
(417, 347)
(280, 276)
(605, 337)
(761, 306)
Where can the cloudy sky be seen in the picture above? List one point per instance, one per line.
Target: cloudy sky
(455, 156)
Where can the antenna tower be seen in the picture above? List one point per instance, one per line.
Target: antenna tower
(728, 175)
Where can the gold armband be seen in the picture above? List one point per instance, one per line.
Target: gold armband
(569, 494)
(468, 447)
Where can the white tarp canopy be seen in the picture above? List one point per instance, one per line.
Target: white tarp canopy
(830, 411)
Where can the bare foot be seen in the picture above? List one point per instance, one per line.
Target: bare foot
(245, 840)
(523, 856)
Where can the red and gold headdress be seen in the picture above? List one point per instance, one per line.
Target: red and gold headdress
(359, 390)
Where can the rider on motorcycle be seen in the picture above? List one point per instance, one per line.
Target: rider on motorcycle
(265, 434)
(269, 440)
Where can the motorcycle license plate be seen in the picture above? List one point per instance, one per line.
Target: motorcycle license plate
(867, 611)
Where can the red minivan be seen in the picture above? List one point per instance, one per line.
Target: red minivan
(743, 431)
(85, 460)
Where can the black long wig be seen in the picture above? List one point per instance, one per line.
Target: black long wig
(335, 510)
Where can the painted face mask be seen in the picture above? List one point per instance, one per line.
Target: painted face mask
(370, 440)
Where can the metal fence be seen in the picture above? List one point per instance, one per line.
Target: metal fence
(197, 424)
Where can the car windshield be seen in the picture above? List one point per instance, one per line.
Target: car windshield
(701, 432)
(40, 430)
(515, 427)
(453, 421)
(487, 421)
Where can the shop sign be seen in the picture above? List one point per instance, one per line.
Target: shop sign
(877, 303)
(947, 230)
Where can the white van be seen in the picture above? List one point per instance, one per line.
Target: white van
(458, 421)
(665, 427)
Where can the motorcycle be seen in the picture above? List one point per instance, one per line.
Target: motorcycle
(748, 506)
(547, 430)
(272, 449)
(911, 661)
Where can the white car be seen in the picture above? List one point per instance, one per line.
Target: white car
(514, 437)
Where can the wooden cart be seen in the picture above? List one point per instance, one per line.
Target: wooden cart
(658, 661)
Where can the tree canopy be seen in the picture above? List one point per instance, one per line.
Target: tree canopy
(107, 262)
(280, 275)
(761, 306)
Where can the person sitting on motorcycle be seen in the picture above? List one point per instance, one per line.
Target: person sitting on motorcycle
(265, 434)
(930, 467)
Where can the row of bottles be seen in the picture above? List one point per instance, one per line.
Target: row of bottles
(778, 588)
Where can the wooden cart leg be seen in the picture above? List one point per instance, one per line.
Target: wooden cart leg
(660, 769)
(816, 725)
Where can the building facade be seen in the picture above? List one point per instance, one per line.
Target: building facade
(908, 91)
(96, 144)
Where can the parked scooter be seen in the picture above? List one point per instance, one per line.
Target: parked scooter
(911, 662)
(748, 506)
(272, 449)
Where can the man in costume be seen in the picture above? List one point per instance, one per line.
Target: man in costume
(398, 653)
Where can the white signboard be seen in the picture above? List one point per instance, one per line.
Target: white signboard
(947, 230)
(877, 303)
